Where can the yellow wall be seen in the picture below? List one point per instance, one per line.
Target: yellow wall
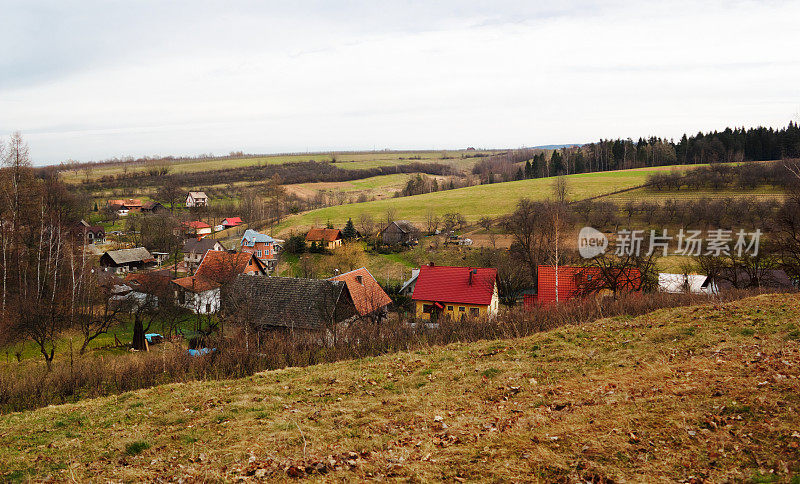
(455, 314)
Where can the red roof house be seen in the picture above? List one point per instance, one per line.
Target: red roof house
(455, 292)
(231, 222)
(200, 292)
(328, 238)
(368, 296)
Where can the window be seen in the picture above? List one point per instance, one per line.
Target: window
(258, 254)
(449, 308)
(474, 312)
(208, 307)
(427, 308)
(461, 309)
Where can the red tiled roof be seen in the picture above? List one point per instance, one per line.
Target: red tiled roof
(328, 235)
(197, 283)
(222, 266)
(232, 221)
(196, 225)
(452, 284)
(367, 294)
(219, 267)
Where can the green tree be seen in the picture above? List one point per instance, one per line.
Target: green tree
(349, 232)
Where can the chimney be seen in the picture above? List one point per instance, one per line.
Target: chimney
(431, 264)
(471, 272)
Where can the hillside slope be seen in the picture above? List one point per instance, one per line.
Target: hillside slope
(707, 392)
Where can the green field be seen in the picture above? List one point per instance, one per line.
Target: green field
(473, 202)
(709, 391)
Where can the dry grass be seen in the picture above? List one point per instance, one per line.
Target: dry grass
(707, 392)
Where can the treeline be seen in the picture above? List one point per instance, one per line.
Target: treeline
(301, 172)
(720, 176)
(729, 145)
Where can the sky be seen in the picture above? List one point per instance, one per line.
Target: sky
(92, 80)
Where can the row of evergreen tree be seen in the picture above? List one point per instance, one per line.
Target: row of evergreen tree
(729, 145)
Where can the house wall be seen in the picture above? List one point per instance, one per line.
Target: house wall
(206, 302)
(267, 251)
(455, 313)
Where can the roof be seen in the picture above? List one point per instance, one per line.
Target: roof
(197, 284)
(404, 226)
(150, 205)
(219, 267)
(232, 221)
(768, 278)
(199, 246)
(289, 302)
(412, 280)
(222, 266)
(151, 282)
(196, 225)
(198, 194)
(367, 294)
(576, 281)
(328, 235)
(129, 202)
(454, 284)
(251, 237)
(125, 256)
(676, 283)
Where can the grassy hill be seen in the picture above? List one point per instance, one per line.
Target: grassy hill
(355, 160)
(476, 201)
(687, 394)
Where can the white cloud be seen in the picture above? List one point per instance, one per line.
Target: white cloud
(412, 75)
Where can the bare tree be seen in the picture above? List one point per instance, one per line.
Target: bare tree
(431, 222)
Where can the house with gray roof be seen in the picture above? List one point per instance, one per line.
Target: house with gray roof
(195, 249)
(126, 260)
(288, 303)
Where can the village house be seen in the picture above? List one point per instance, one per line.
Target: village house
(125, 260)
(90, 234)
(195, 228)
(196, 199)
(368, 296)
(327, 238)
(152, 207)
(290, 304)
(455, 292)
(263, 246)
(231, 222)
(143, 289)
(575, 282)
(124, 206)
(407, 288)
(685, 284)
(400, 232)
(195, 249)
(201, 293)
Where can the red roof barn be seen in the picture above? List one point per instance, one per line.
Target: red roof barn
(574, 281)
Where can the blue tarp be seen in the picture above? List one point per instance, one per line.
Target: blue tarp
(149, 337)
(201, 351)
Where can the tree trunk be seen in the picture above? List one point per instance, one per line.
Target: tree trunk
(139, 342)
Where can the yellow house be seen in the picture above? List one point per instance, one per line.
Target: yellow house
(455, 292)
(330, 238)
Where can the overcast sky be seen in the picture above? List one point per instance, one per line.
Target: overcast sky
(96, 79)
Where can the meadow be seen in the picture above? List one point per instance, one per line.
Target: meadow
(691, 394)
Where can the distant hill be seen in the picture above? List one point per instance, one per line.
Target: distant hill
(556, 147)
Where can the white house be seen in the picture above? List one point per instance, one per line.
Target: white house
(196, 199)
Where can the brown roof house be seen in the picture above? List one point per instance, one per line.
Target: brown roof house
(368, 296)
(195, 249)
(200, 293)
(327, 238)
(400, 232)
(287, 303)
(125, 260)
